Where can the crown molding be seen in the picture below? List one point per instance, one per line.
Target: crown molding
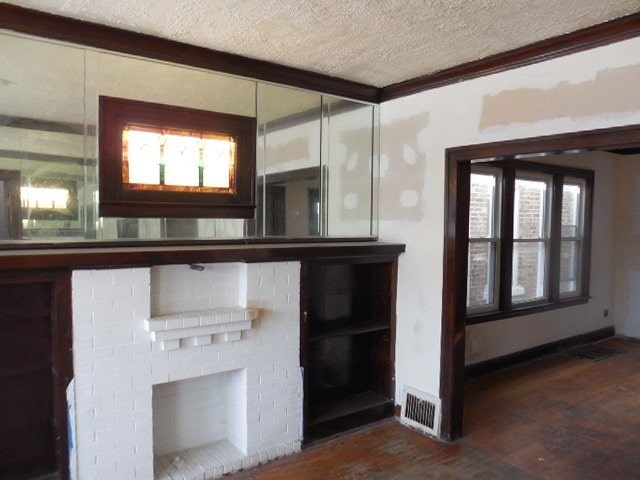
(598, 35)
(35, 22)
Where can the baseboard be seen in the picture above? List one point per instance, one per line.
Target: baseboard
(494, 364)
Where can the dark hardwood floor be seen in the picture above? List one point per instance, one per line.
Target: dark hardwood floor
(560, 417)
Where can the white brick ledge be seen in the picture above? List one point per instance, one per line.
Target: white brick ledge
(200, 327)
(214, 460)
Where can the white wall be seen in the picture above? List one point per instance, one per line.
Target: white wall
(593, 89)
(627, 245)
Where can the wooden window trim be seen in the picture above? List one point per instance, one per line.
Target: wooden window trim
(117, 201)
(506, 308)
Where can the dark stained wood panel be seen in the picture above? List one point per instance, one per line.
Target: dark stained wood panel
(347, 329)
(27, 444)
(35, 369)
(97, 256)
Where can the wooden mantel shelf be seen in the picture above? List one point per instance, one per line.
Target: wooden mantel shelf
(135, 256)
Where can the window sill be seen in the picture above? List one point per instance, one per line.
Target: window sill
(524, 310)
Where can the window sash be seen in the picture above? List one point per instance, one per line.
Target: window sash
(557, 275)
(538, 273)
(490, 285)
(576, 269)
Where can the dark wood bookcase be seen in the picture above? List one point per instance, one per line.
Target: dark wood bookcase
(347, 335)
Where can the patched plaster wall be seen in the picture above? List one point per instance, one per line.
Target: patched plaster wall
(453, 116)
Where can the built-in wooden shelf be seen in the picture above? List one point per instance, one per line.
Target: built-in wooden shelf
(348, 327)
(346, 406)
(345, 327)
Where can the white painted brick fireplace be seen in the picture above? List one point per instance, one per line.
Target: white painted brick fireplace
(185, 373)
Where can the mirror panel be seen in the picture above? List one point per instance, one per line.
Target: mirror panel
(316, 156)
(41, 140)
(349, 168)
(289, 152)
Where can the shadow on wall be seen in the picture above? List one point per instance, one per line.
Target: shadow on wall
(528, 105)
(401, 193)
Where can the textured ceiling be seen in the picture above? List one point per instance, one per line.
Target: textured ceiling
(377, 42)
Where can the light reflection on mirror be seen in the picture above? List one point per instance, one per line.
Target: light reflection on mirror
(46, 198)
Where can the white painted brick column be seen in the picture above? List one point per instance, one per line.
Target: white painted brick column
(113, 406)
(116, 364)
(274, 384)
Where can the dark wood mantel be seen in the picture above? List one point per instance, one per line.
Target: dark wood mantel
(138, 256)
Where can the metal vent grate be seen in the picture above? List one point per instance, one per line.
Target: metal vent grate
(595, 352)
(420, 410)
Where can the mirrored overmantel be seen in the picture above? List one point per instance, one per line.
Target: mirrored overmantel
(316, 166)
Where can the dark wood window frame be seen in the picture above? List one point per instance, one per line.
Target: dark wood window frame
(456, 228)
(506, 308)
(118, 201)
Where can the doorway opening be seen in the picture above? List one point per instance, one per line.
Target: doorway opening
(619, 140)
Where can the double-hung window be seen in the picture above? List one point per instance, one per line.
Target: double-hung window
(572, 236)
(529, 238)
(484, 239)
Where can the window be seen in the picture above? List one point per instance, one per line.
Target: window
(531, 237)
(529, 234)
(572, 236)
(164, 161)
(484, 238)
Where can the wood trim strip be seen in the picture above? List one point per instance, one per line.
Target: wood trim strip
(83, 258)
(527, 310)
(453, 304)
(494, 364)
(34, 22)
(598, 35)
(555, 243)
(62, 338)
(47, 157)
(504, 281)
(211, 243)
(45, 125)
(627, 136)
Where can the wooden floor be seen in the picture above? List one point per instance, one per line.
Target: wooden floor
(559, 417)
